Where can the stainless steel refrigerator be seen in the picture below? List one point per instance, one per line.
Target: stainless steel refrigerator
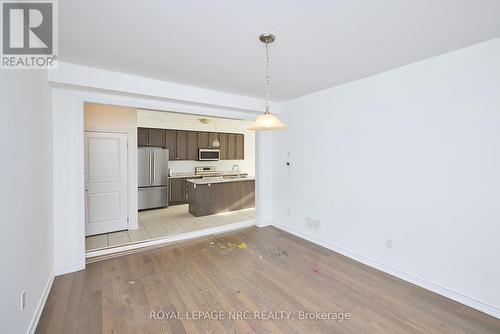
(153, 177)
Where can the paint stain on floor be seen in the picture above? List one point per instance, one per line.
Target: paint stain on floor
(227, 247)
(278, 252)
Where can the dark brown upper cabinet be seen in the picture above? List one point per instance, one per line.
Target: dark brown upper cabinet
(192, 145)
(150, 137)
(157, 137)
(142, 137)
(171, 144)
(223, 146)
(231, 146)
(240, 147)
(203, 140)
(182, 145)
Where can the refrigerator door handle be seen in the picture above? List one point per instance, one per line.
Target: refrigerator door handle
(149, 168)
(154, 167)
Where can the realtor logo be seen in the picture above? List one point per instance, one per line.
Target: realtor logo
(29, 34)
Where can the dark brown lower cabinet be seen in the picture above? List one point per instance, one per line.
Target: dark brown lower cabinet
(215, 198)
(177, 193)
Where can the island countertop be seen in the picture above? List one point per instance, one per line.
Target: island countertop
(208, 180)
(187, 175)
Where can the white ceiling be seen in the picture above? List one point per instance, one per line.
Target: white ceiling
(214, 44)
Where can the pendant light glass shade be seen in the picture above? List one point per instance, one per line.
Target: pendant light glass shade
(267, 121)
(215, 142)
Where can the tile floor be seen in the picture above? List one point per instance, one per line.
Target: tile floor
(161, 223)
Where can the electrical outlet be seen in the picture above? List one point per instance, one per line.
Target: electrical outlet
(313, 223)
(23, 300)
(388, 243)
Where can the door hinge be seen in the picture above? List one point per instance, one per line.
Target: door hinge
(127, 220)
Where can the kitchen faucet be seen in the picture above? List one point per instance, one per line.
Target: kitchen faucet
(237, 169)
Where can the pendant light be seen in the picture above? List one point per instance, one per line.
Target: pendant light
(267, 121)
(215, 142)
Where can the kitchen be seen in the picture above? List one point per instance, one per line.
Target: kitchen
(194, 173)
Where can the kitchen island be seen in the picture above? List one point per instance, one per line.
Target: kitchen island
(209, 196)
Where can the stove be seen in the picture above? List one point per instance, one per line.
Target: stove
(206, 171)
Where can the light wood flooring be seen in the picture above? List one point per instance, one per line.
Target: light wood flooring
(257, 269)
(161, 223)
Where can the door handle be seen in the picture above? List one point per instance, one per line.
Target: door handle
(150, 168)
(154, 167)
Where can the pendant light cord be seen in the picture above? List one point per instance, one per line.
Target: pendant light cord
(267, 78)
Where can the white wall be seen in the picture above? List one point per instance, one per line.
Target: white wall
(169, 120)
(106, 118)
(26, 197)
(410, 155)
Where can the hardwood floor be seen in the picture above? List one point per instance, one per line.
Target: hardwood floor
(251, 270)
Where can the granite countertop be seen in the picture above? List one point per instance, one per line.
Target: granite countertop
(193, 175)
(209, 180)
(183, 175)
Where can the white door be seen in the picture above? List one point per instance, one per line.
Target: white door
(106, 203)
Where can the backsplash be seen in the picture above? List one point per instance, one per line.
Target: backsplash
(221, 165)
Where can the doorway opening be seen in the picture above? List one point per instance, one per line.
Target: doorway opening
(189, 176)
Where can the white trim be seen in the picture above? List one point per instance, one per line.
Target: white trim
(454, 295)
(69, 269)
(82, 207)
(73, 75)
(174, 238)
(41, 305)
(264, 179)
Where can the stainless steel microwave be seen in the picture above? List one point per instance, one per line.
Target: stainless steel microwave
(208, 154)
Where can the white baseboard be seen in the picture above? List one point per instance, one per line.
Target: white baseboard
(173, 238)
(69, 269)
(40, 306)
(456, 296)
(265, 223)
